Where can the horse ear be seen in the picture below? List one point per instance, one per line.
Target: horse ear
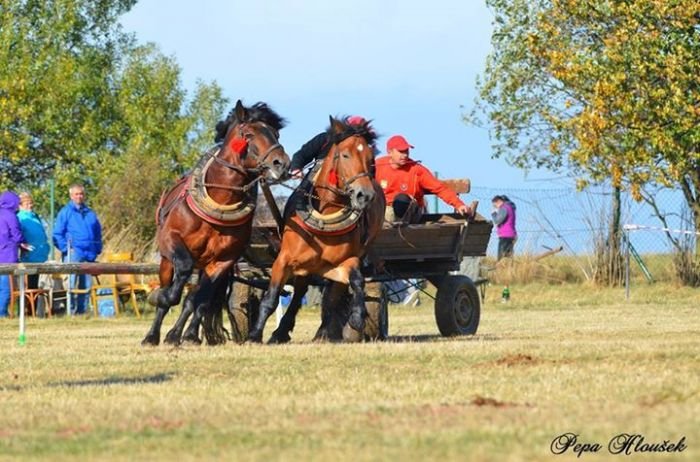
(336, 125)
(241, 111)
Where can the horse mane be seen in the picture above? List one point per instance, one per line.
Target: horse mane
(258, 112)
(348, 130)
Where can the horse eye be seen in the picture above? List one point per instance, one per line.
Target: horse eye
(345, 154)
(249, 135)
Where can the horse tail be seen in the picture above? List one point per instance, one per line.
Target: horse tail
(213, 326)
(213, 319)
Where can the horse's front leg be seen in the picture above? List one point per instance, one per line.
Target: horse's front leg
(181, 269)
(279, 275)
(281, 334)
(358, 310)
(174, 335)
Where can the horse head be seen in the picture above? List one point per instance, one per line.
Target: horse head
(347, 169)
(252, 135)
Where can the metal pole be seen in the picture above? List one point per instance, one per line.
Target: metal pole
(52, 192)
(22, 336)
(70, 282)
(627, 264)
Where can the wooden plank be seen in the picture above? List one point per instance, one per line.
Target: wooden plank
(458, 185)
(79, 268)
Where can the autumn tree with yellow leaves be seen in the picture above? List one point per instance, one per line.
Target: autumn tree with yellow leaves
(605, 90)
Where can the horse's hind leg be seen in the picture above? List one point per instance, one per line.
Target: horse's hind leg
(174, 335)
(281, 334)
(173, 276)
(333, 315)
(358, 310)
(279, 275)
(206, 295)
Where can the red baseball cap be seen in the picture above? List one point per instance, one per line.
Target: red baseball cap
(398, 142)
(355, 120)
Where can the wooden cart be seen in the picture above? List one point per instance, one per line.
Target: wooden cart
(432, 249)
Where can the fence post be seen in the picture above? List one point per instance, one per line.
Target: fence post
(22, 336)
(627, 263)
(70, 281)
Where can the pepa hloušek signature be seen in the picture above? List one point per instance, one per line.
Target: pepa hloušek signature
(622, 444)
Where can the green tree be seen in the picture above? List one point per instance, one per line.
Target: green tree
(606, 89)
(56, 61)
(80, 100)
(157, 137)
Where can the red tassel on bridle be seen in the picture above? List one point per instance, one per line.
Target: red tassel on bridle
(239, 145)
(333, 178)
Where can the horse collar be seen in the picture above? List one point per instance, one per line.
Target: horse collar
(206, 208)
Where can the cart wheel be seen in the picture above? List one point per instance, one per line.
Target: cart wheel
(377, 321)
(244, 306)
(457, 306)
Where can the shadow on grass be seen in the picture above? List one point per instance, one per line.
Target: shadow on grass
(157, 378)
(438, 338)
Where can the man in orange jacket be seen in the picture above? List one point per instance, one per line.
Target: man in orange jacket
(405, 182)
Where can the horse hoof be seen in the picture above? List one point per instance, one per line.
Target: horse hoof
(172, 339)
(192, 340)
(279, 338)
(254, 338)
(151, 340)
(320, 337)
(351, 335)
(153, 297)
(356, 322)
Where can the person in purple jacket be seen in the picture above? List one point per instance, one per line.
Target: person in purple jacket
(503, 216)
(10, 240)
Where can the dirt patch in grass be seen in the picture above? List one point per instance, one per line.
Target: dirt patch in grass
(481, 401)
(71, 432)
(517, 360)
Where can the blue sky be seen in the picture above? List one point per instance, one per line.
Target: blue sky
(408, 65)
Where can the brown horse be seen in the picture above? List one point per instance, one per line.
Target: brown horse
(327, 231)
(206, 218)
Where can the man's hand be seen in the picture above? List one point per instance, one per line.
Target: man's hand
(468, 210)
(296, 174)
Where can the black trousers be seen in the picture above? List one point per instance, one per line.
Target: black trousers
(505, 247)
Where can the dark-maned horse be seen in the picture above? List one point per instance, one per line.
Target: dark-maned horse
(205, 220)
(328, 230)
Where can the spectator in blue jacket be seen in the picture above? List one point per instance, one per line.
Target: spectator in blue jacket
(37, 247)
(77, 234)
(10, 240)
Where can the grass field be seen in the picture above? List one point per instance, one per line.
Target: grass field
(556, 359)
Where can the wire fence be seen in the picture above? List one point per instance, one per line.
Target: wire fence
(576, 220)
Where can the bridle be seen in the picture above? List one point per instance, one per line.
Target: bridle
(252, 152)
(249, 152)
(345, 191)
